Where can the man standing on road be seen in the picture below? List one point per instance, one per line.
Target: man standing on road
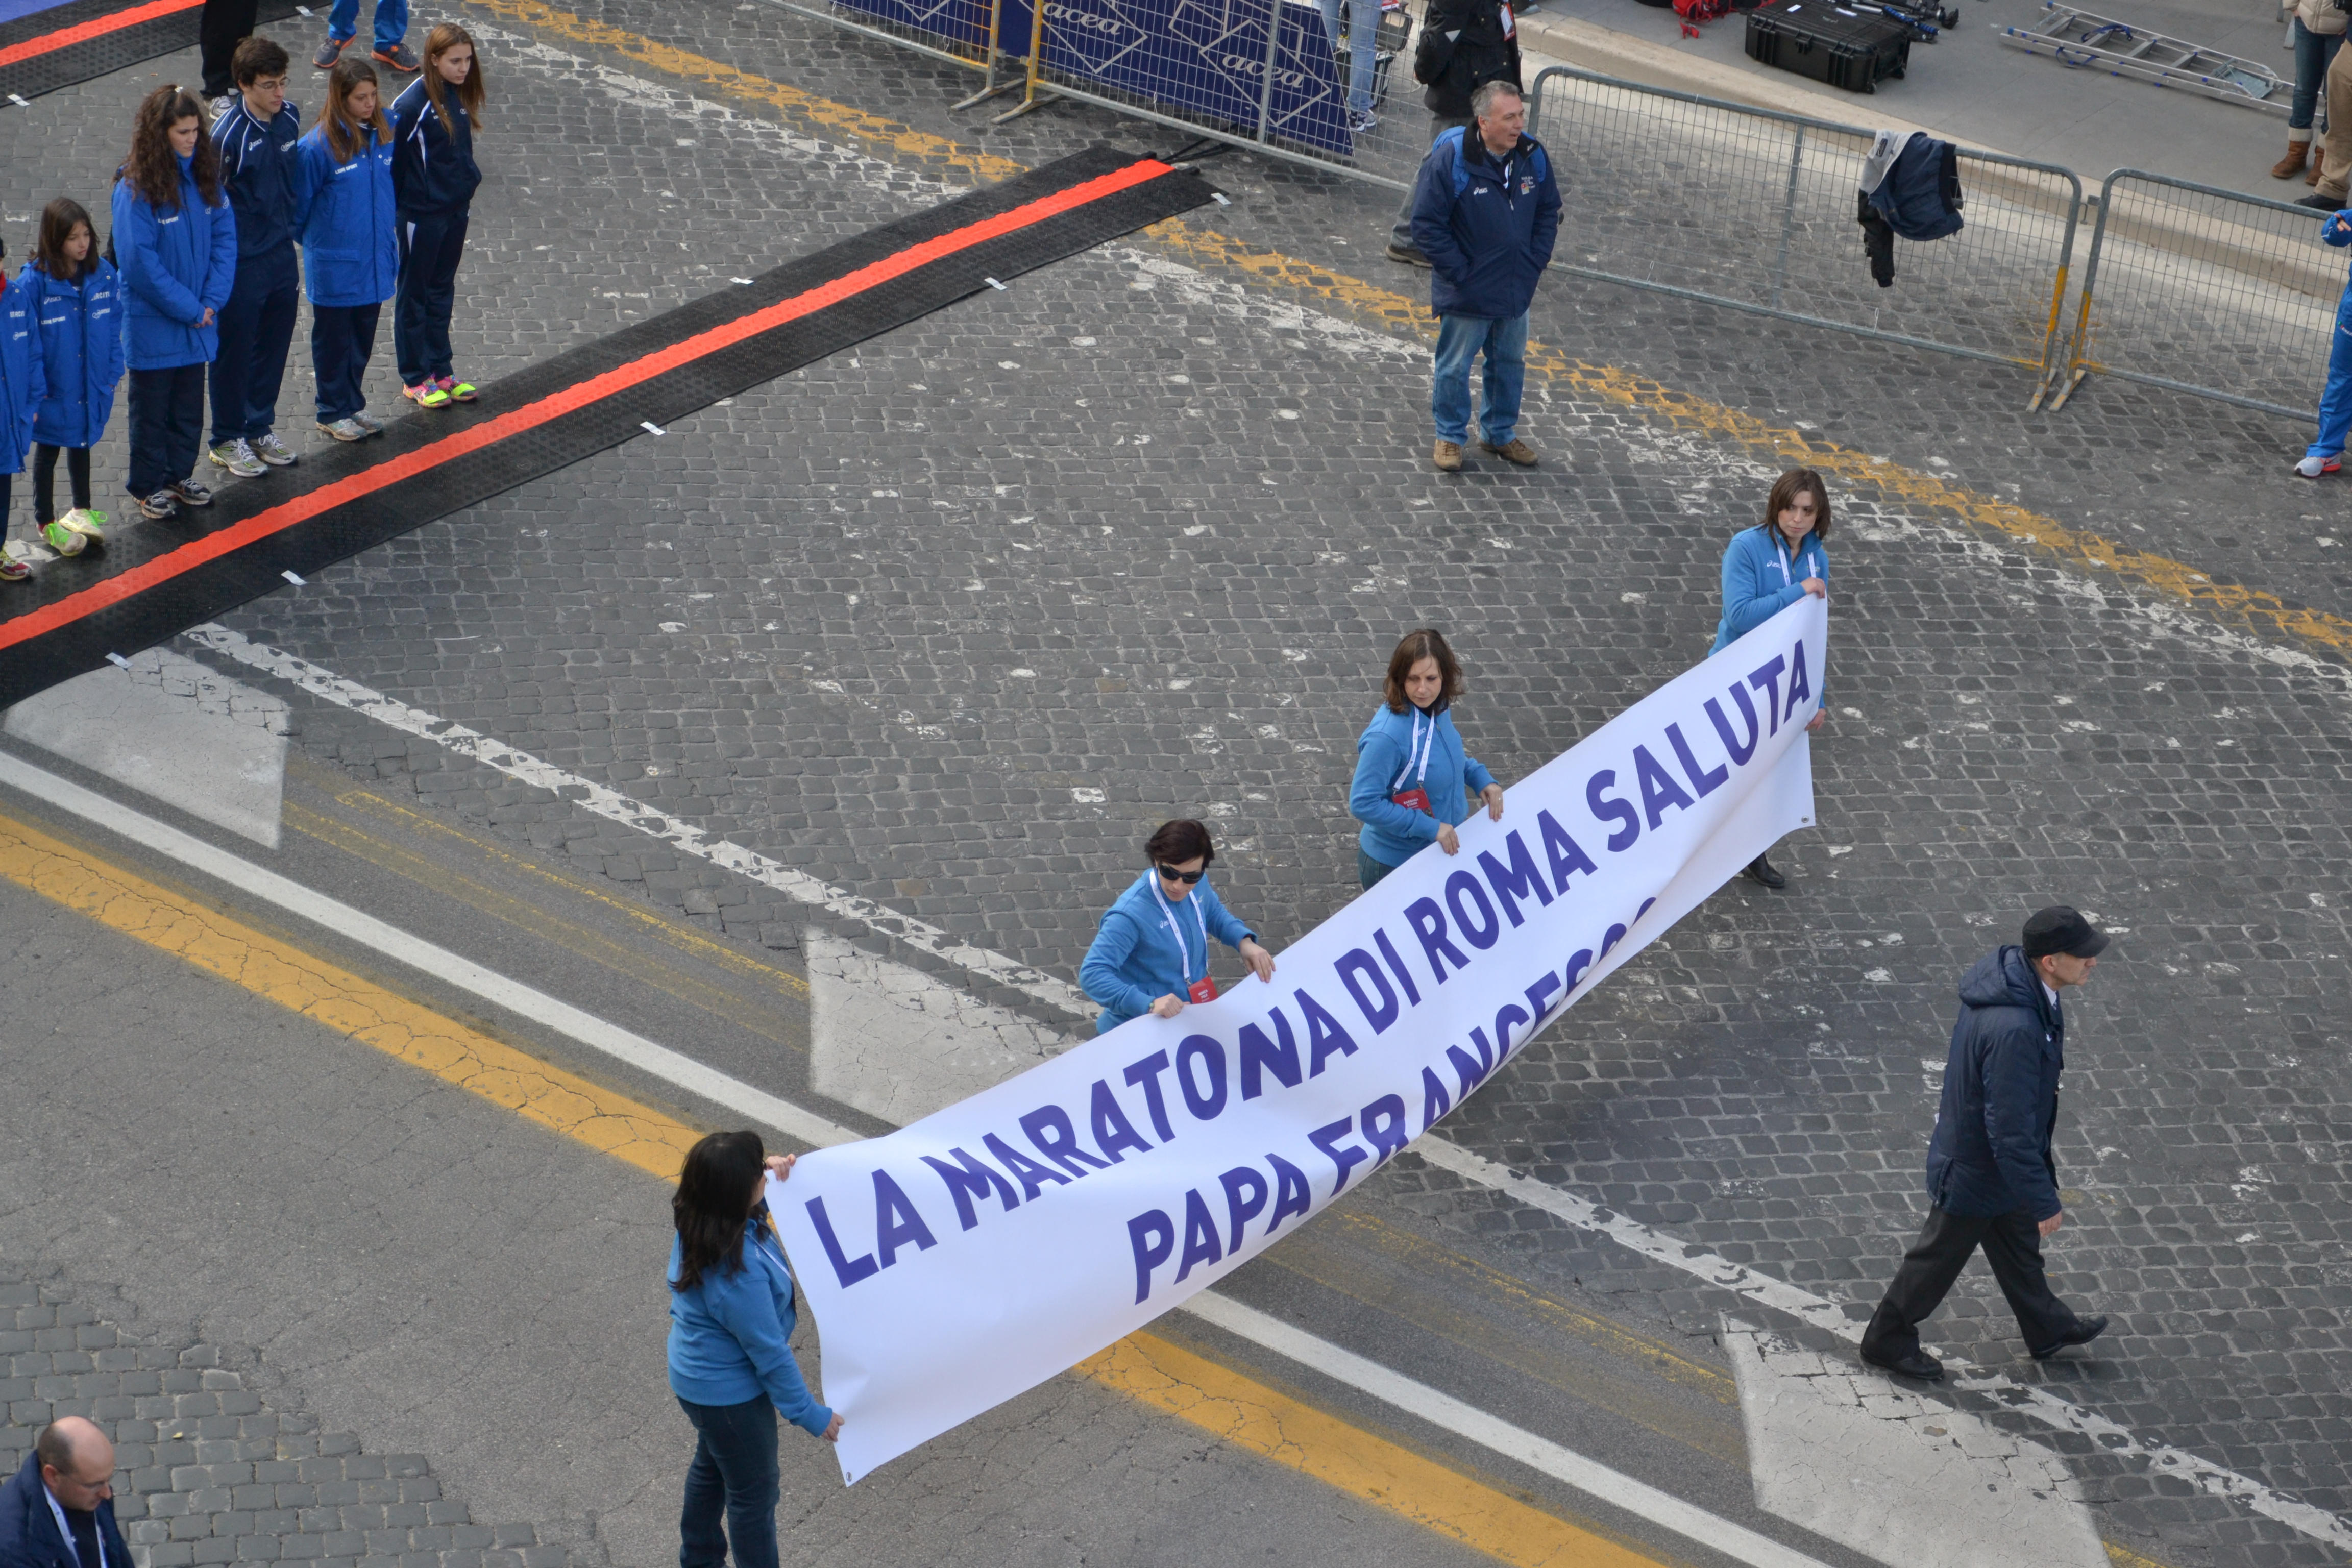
(1464, 45)
(58, 1511)
(1486, 211)
(1990, 1174)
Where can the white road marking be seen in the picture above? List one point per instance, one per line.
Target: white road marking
(176, 730)
(1906, 1481)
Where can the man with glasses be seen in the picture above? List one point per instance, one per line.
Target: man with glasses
(1152, 954)
(58, 1511)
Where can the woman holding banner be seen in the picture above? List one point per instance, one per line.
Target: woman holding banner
(730, 1350)
(1152, 954)
(1412, 778)
(1769, 567)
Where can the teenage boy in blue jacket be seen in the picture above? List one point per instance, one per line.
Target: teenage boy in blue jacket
(1486, 211)
(256, 138)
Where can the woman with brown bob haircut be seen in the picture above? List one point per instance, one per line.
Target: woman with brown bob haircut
(1152, 954)
(1413, 780)
(1769, 567)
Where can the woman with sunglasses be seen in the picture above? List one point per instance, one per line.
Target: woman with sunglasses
(1152, 954)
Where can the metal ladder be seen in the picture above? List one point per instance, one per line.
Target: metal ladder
(2076, 37)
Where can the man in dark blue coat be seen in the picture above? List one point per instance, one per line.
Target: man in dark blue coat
(58, 1510)
(1485, 210)
(1991, 1178)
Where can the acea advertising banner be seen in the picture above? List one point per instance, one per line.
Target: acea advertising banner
(1208, 58)
(961, 1261)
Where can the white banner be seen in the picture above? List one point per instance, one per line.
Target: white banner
(971, 1256)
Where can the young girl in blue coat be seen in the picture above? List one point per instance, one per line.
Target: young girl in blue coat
(175, 242)
(1769, 567)
(351, 252)
(1413, 781)
(80, 299)
(434, 178)
(20, 395)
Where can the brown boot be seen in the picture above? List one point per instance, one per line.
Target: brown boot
(2291, 165)
(2318, 159)
(1447, 456)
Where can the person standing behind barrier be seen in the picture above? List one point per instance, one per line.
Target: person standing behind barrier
(79, 298)
(258, 138)
(2335, 148)
(351, 246)
(1993, 1178)
(176, 244)
(1464, 45)
(1413, 780)
(1152, 954)
(2318, 31)
(1485, 212)
(2325, 453)
(730, 1350)
(1363, 44)
(1769, 567)
(434, 178)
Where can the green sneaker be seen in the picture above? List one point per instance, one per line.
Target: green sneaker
(61, 539)
(88, 526)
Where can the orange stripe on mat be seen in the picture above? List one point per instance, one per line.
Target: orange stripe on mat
(81, 33)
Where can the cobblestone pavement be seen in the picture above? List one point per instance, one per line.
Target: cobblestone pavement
(951, 620)
(209, 1471)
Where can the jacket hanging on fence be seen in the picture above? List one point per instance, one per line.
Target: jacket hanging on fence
(1910, 186)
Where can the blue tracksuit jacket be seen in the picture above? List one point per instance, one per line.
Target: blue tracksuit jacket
(175, 266)
(81, 353)
(1136, 959)
(264, 172)
(1487, 224)
(347, 225)
(433, 167)
(21, 381)
(730, 1337)
(1396, 745)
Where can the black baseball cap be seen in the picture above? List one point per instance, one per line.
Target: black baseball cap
(2059, 929)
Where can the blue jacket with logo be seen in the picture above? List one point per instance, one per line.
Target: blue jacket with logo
(82, 351)
(1135, 960)
(175, 266)
(264, 175)
(347, 225)
(1991, 1151)
(1487, 224)
(730, 1337)
(1753, 588)
(433, 167)
(22, 382)
(28, 1530)
(1391, 745)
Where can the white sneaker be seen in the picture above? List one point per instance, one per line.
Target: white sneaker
(238, 458)
(272, 451)
(368, 423)
(346, 430)
(2311, 467)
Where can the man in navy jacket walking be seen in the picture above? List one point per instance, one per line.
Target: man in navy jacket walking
(1486, 211)
(1991, 1177)
(58, 1511)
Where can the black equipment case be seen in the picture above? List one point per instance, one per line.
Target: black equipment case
(1844, 47)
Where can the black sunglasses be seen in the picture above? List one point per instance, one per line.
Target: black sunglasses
(1187, 877)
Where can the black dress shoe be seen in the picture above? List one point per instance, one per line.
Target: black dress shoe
(1916, 1363)
(2321, 202)
(1761, 870)
(2084, 1331)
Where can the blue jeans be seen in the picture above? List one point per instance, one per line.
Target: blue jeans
(2313, 52)
(1459, 340)
(1369, 870)
(1363, 37)
(733, 1475)
(390, 22)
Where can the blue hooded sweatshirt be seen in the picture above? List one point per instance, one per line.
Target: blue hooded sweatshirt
(1148, 947)
(349, 233)
(730, 1337)
(264, 175)
(1487, 224)
(1408, 750)
(22, 382)
(1991, 1151)
(433, 167)
(82, 351)
(175, 266)
(28, 1530)
(1761, 578)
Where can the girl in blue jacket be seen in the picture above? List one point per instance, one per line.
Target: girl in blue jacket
(1413, 780)
(1152, 954)
(434, 178)
(175, 242)
(1769, 567)
(80, 301)
(351, 252)
(21, 387)
(730, 1350)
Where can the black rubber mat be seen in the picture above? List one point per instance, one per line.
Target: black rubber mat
(86, 38)
(157, 580)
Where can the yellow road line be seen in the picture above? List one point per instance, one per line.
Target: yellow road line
(2124, 1557)
(2253, 610)
(1249, 1414)
(352, 1007)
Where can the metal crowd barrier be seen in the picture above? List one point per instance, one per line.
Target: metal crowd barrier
(961, 33)
(1755, 209)
(2207, 292)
